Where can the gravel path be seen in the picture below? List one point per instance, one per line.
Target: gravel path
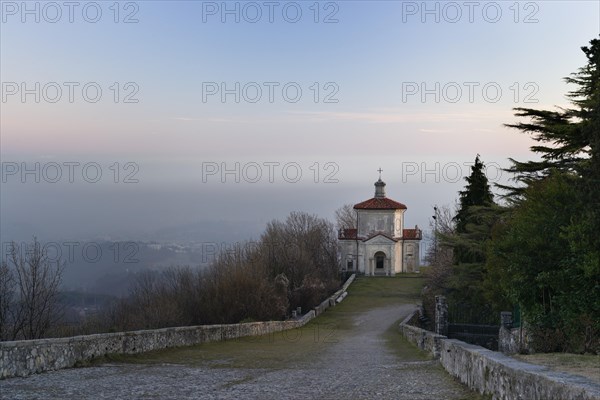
(359, 366)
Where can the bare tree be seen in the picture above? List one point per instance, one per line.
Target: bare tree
(345, 217)
(304, 249)
(442, 227)
(37, 282)
(440, 259)
(7, 293)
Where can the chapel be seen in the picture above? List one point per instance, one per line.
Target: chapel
(378, 244)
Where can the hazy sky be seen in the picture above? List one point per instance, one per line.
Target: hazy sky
(162, 100)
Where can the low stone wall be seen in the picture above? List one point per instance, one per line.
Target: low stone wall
(425, 340)
(347, 283)
(493, 373)
(514, 340)
(331, 300)
(26, 357)
(323, 306)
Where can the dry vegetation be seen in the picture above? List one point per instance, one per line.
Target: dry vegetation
(587, 365)
(293, 265)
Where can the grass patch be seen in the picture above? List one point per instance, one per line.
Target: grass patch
(274, 351)
(586, 365)
(401, 347)
(375, 290)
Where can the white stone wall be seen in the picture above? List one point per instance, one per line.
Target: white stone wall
(348, 250)
(411, 262)
(376, 245)
(396, 253)
(370, 221)
(399, 257)
(398, 222)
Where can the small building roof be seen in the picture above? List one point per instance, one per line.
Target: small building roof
(379, 203)
(414, 234)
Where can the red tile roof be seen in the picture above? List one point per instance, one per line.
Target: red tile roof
(411, 234)
(380, 203)
(347, 233)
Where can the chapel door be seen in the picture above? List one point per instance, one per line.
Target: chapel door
(379, 261)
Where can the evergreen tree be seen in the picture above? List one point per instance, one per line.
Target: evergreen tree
(570, 142)
(548, 252)
(474, 218)
(532, 261)
(476, 215)
(476, 193)
(569, 138)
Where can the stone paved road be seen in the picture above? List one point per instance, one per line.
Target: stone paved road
(359, 366)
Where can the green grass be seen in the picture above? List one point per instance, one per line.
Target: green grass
(371, 292)
(401, 347)
(289, 348)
